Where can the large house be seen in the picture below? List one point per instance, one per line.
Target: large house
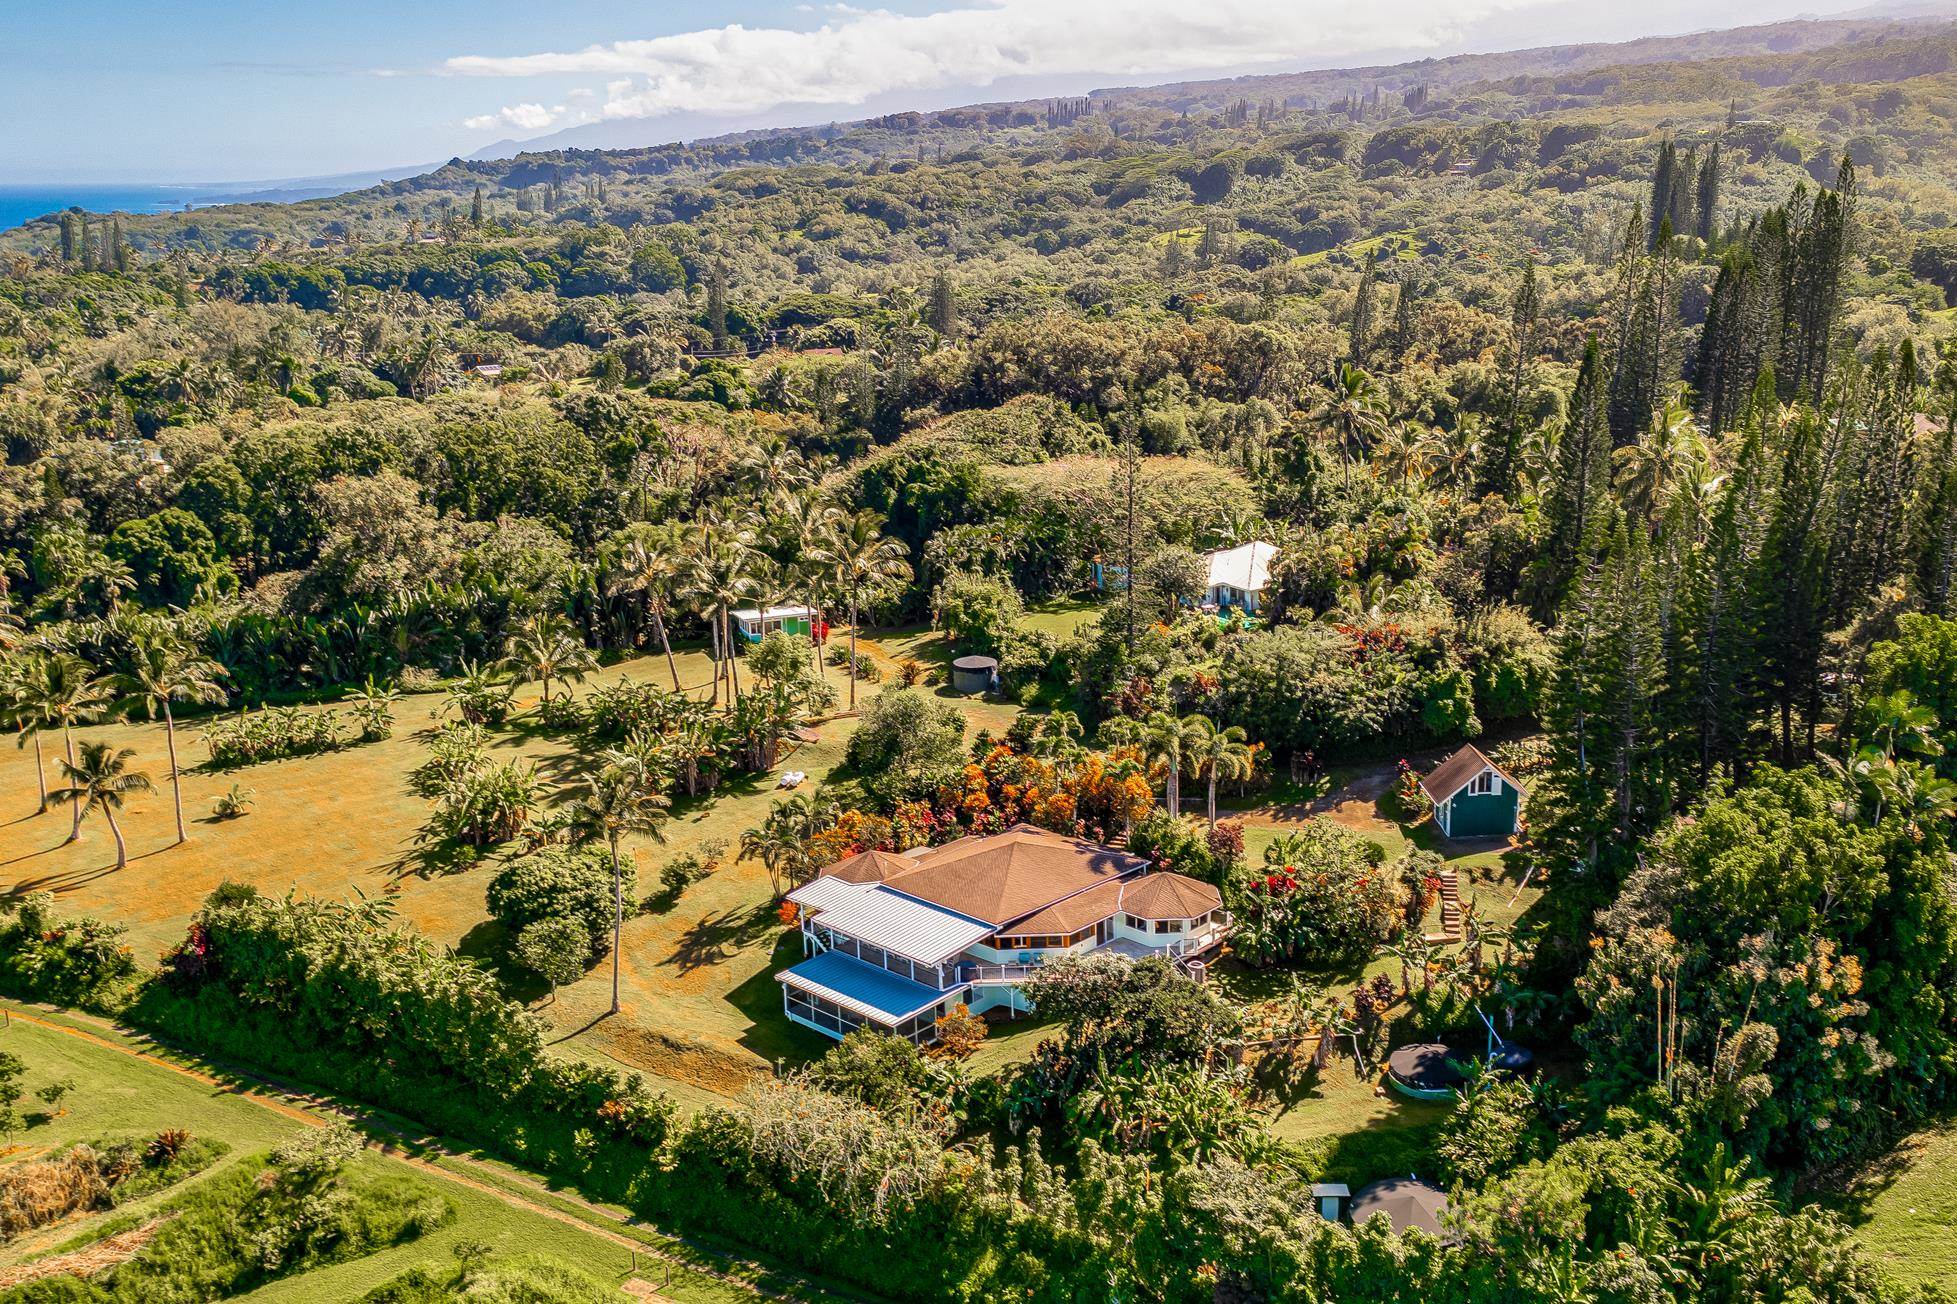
(1237, 576)
(896, 941)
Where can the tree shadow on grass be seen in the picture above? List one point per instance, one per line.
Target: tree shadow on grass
(1851, 1191)
(770, 1034)
(65, 881)
(716, 938)
(436, 860)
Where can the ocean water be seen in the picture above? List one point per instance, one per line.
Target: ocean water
(22, 203)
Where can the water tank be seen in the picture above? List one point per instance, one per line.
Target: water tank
(973, 674)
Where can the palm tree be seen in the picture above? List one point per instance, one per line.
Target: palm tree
(1647, 471)
(864, 558)
(1350, 415)
(716, 578)
(812, 522)
(617, 800)
(649, 563)
(164, 669)
(19, 675)
(67, 692)
(99, 781)
(1167, 737)
(778, 847)
(1220, 754)
(546, 646)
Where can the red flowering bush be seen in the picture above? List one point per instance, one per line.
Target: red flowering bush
(1323, 896)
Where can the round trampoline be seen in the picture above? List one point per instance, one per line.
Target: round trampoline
(1427, 1070)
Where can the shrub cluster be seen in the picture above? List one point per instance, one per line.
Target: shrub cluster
(64, 961)
(273, 734)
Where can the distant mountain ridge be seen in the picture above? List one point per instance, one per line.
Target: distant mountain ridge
(1198, 94)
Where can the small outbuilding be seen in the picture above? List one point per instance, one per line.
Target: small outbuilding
(1238, 576)
(1474, 797)
(1407, 1203)
(753, 624)
(974, 674)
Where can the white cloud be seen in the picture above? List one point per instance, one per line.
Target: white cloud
(517, 117)
(857, 54)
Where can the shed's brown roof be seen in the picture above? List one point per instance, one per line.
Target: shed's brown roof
(1407, 1202)
(1452, 774)
(869, 867)
(1008, 876)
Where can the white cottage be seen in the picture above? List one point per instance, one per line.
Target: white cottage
(1237, 576)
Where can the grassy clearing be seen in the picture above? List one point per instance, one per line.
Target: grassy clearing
(1904, 1206)
(699, 1005)
(117, 1095)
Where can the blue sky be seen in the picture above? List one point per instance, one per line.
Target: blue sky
(149, 90)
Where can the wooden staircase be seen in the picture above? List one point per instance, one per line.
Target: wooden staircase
(1450, 909)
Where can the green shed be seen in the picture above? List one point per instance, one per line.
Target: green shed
(1474, 797)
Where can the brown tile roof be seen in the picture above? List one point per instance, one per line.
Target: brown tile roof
(1081, 910)
(1452, 774)
(868, 867)
(1170, 896)
(1407, 1202)
(1011, 875)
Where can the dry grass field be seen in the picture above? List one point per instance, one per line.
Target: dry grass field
(700, 1007)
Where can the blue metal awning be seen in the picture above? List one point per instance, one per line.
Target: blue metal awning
(863, 988)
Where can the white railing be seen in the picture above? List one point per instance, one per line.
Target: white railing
(1197, 943)
(975, 972)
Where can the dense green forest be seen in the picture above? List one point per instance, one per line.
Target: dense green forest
(1601, 404)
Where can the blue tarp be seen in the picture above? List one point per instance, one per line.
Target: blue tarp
(864, 988)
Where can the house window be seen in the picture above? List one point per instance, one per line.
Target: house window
(1168, 925)
(1484, 784)
(1139, 925)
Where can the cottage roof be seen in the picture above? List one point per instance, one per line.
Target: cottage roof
(1452, 774)
(1406, 1201)
(1246, 567)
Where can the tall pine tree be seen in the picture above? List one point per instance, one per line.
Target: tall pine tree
(1576, 498)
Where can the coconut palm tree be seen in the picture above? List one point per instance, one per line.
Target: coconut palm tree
(19, 673)
(648, 563)
(66, 692)
(812, 522)
(545, 645)
(164, 669)
(1220, 754)
(779, 848)
(1646, 472)
(716, 578)
(99, 781)
(1170, 738)
(618, 800)
(864, 558)
(1350, 415)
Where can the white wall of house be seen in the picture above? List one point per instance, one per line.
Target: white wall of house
(1228, 595)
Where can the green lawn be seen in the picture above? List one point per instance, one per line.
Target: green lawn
(1904, 1206)
(116, 1095)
